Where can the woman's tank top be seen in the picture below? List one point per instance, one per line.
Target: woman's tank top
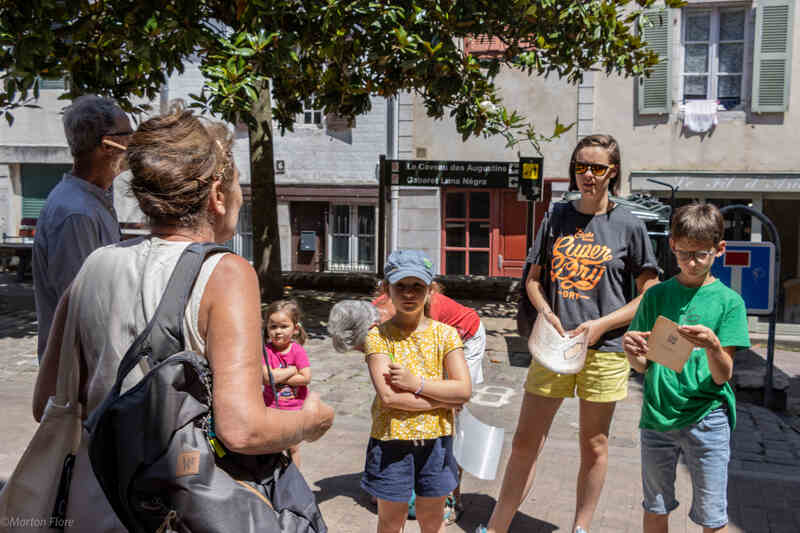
(115, 294)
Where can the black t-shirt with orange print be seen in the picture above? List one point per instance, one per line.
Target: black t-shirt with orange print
(591, 261)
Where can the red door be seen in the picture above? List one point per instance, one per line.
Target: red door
(511, 249)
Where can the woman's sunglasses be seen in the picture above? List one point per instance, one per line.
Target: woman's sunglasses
(598, 170)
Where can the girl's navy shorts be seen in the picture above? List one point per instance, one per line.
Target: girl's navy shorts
(396, 467)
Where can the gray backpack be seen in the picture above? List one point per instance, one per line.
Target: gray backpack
(154, 451)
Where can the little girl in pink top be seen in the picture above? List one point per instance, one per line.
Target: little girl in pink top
(287, 359)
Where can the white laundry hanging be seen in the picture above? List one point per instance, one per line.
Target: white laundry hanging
(700, 115)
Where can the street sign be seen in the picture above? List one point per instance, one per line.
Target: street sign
(479, 174)
(531, 181)
(749, 269)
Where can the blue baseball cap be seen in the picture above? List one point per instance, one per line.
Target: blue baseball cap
(408, 263)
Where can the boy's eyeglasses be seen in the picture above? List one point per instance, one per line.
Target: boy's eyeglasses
(598, 170)
(699, 255)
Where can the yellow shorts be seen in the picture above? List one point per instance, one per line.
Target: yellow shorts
(603, 378)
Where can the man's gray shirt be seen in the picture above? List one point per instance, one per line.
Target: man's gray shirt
(77, 218)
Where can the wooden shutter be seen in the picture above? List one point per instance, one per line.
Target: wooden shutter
(37, 182)
(772, 58)
(655, 91)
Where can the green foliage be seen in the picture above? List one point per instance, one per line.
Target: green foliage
(330, 54)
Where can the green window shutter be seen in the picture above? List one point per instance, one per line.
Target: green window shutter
(772, 58)
(655, 91)
(37, 182)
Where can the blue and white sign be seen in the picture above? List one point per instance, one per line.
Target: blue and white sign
(749, 269)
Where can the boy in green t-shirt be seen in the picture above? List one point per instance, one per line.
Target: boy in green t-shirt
(692, 412)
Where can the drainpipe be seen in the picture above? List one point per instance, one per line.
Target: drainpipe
(393, 128)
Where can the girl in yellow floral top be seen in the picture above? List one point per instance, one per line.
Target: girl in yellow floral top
(411, 444)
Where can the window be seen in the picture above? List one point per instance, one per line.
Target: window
(739, 54)
(242, 241)
(467, 232)
(714, 55)
(340, 233)
(366, 236)
(57, 84)
(312, 116)
(353, 238)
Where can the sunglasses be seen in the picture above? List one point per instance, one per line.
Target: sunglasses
(699, 255)
(598, 170)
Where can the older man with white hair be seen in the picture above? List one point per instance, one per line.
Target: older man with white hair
(78, 216)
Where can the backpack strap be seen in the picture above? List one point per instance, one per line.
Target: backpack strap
(543, 251)
(163, 335)
(271, 378)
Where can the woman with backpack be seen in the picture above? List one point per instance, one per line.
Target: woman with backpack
(186, 182)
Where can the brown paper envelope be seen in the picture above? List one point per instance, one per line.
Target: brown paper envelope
(666, 346)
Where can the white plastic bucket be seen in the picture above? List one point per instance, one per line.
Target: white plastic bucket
(477, 446)
(562, 355)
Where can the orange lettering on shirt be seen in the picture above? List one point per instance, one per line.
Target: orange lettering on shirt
(578, 263)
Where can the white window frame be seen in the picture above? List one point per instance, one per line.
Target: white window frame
(311, 117)
(353, 263)
(713, 75)
(54, 84)
(242, 240)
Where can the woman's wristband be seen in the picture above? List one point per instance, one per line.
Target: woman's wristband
(421, 386)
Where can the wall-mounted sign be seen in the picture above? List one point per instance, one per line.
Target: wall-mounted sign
(308, 241)
(530, 186)
(280, 166)
(477, 174)
(711, 181)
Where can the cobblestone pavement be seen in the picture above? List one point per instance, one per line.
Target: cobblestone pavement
(764, 486)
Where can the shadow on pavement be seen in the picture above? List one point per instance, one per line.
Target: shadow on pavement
(498, 309)
(17, 307)
(17, 323)
(748, 379)
(478, 509)
(764, 505)
(516, 347)
(348, 485)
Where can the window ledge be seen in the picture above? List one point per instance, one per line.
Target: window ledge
(722, 115)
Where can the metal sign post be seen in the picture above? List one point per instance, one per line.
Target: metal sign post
(383, 177)
(753, 270)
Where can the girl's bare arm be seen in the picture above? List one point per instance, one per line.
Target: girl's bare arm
(378, 364)
(300, 378)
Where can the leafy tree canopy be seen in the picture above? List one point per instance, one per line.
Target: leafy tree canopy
(264, 59)
(331, 54)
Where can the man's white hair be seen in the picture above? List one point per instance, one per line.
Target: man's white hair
(349, 322)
